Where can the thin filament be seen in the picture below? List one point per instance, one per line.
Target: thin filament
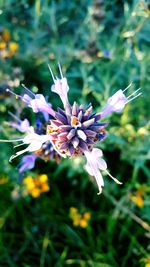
(29, 91)
(127, 87)
(51, 72)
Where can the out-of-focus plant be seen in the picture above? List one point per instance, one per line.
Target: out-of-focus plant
(79, 219)
(36, 186)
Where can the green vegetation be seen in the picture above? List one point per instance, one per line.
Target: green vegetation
(102, 46)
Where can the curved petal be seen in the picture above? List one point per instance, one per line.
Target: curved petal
(27, 163)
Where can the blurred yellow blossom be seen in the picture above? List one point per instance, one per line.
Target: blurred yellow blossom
(13, 47)
(4, 179)
(81, 220)
(6, 35)
(137, 198)
(36, 186)
(2, 45)
(146, 261)
(7, 48)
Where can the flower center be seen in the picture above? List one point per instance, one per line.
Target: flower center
(75, 122)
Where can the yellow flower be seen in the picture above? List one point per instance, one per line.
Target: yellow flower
(13, 47)
(44, 188)
(29, 182)
(2, 45)
(4, 179)
(83, 223)
(36, 186)
(137, 198)
(42, 178)
(87, 216)
(146, 261)
(35, 192)
(78, 219)
(73, 211)
(6, 35)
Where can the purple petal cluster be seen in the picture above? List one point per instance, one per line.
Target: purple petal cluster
(76, 131)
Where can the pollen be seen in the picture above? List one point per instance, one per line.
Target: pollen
(74, 121)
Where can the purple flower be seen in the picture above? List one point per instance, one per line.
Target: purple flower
(21, 126)
(117, 102)
(27, 163)
(73, 131)
(37, 102)
(60, 87)
(76, 130)
(72, 134)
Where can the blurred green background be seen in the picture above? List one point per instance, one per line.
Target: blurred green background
(102, 47)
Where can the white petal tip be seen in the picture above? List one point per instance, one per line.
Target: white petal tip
(100, 191)
(118, 182)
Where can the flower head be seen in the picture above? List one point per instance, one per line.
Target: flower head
(76, 132)
(71, 131)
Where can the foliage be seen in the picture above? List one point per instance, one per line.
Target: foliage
(102, 46)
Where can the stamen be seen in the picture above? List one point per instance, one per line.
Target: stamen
(60, 70)
(133, 93)
(127, 87)
(51, 73)
(11, 92)
(28, 90)
(133, 98)
(19, 145)
(17, 154)
(14, 116)
(10, 141)
(115, 179)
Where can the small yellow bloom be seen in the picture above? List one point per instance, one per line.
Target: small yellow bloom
(13, 47)
(138, 200)
(83, 223)
(147, 264)
(2, 45)
(4, 179)
(42, 178)
(78, 219)
(35, 192)
(73, 211)
(36, 186)
(137, 197)
(44, 187)
(29, 182)
(6, 35)
(86, 215)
